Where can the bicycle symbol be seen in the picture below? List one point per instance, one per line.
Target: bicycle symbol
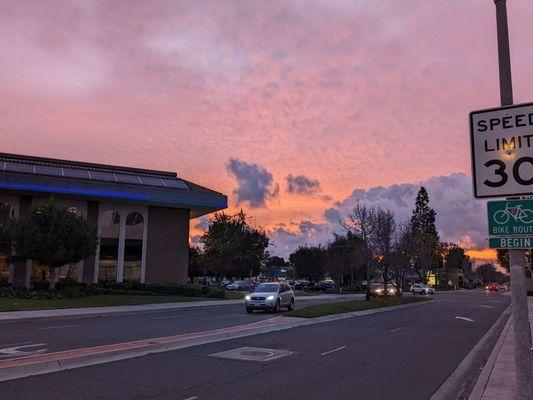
(517, 213)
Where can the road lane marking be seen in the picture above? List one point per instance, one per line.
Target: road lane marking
(332, 351)
(396, 330)
(56, 327)
(169, 317)
(465, 319)
(484, 306)
(15, 351)
(191, 398)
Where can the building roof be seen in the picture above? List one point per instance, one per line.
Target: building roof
(65, 177)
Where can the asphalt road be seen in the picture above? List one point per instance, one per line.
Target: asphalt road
(69, 333)
(401, 354)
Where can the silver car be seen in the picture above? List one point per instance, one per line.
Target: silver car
(418, 288)
(270, 296)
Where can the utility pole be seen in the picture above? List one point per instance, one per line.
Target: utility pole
(520, 316)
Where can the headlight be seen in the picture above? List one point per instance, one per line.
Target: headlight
(247, 297)
(272, 297)
(379, 290)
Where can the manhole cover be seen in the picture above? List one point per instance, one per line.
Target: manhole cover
(252, 354)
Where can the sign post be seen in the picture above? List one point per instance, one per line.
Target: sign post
(502, 144)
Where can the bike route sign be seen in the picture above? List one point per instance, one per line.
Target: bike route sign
(510, 218)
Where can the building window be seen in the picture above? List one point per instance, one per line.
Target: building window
(133, 247)
(7, 213)
(109, 240)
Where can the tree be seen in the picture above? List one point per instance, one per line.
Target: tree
(426, 238)
(195, 268)
(232, 246)
(359, 222)
(383, 236)
(308, 262)
(7, 226)
(273, 264)
(345, 257)
(453, 259)
(403, 256)
(53, 236)
(489, 273)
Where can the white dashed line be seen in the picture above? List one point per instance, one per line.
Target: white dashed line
(396, 330)
(191, 398)
(465, 319)
(332, 351)
(484, 306)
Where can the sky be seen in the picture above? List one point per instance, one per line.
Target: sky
(294, 109)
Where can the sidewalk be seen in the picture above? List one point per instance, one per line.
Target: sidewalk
(12, 316)
(497, 380)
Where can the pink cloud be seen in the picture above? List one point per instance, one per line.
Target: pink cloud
(351, 93)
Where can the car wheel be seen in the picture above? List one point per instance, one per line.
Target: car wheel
(413, 292)
(290, 307)
(249, 310)
(276, 307)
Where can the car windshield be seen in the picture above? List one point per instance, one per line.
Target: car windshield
(267, 287)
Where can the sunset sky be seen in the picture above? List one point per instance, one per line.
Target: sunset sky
(294, 109)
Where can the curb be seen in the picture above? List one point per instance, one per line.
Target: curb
(46, 363)
(457, 385)
(481, 384)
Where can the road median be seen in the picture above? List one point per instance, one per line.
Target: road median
(321, 310)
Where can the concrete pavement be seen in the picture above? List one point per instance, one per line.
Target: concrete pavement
(498, 378)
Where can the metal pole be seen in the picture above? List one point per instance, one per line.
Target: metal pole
(520, 315)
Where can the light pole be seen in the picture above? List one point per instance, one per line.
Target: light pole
(520, 316)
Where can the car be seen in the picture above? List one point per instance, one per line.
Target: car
(492, 287)
(419, 288)
(378, 290)
(270, 296)
(301, 285)
(239, 285)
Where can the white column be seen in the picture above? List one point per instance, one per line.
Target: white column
(121, 246)
(145, 241)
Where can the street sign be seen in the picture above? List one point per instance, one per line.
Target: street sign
(510, 218)
(522, 243)
(501, 142)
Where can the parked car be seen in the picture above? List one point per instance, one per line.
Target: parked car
(378, 290)
(239, 285)
(301, 285)
(419, 288)
(270, 296)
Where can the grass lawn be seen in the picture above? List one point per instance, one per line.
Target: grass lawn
(8, 304)
(320, 310)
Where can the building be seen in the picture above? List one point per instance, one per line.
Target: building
(142, 217)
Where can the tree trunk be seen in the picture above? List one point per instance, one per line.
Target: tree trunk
(53, 278)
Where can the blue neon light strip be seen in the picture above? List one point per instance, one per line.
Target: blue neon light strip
(39, 188)
(97, 193)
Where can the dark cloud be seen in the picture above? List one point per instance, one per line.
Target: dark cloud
(332, 215)
(255, 183)
(301, 184)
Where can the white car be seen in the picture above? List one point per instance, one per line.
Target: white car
(270, 296)
(239, 285)
(418, 288)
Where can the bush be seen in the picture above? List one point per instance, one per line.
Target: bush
(72, 289)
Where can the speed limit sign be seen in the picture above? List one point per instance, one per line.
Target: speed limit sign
(502, 151)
